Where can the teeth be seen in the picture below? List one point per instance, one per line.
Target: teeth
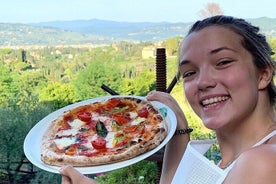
(214, 100)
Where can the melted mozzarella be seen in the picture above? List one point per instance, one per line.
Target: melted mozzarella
(69, 132)
(64, 142)
(76, 124)
(133, 115)
(137, 121)
(110, 139)
(97, 117)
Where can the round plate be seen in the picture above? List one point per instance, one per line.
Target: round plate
(33, 138)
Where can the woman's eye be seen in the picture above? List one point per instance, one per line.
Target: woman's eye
(224, 62)
(188, 74)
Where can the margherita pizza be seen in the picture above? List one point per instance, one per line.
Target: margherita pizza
(103, 132)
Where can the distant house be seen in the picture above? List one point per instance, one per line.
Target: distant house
(148, 52)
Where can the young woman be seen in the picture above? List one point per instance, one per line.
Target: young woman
(227, 74)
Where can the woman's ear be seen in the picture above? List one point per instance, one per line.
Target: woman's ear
(265, 77)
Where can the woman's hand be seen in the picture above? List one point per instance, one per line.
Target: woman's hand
(71, 176)
(168, 100)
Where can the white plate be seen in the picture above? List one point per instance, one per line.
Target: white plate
(33, 138)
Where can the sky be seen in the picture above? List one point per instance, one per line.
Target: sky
(33, 11)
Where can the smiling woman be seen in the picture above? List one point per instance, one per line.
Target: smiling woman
(228, 80)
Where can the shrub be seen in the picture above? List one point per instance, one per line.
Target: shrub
(143, 172)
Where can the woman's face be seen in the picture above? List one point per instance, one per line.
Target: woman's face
(220, 79)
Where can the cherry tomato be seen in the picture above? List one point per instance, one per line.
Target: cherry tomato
(84, 116)
(111, 103)
(67, 118)
(130, 129)
(143, 112)
(142, 131)
(92, 124)
(99, 143)
(120, 119)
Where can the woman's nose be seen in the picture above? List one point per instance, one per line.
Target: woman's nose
(206, 79)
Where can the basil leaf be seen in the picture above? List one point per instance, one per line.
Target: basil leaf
(164, 111)
(101, 129)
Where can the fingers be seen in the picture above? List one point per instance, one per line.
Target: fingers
(156, 95)
(69, 171)
(70, 175)
(161, 97)
(65, 180)
(168, 100)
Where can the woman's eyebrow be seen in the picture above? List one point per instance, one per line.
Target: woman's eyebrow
(214, 51)
(184, 62)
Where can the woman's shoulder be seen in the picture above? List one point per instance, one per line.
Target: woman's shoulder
(262, 154)
(262, 157)
(256, 164)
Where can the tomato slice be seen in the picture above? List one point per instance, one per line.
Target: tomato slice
(143, 113)
(84, 116)
(99, 143)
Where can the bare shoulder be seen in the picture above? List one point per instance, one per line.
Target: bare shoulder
(257, 165)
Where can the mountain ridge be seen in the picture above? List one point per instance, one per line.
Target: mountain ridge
(96, 31)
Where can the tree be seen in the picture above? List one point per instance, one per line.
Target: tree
(172, 45)
(140, 85)
(89, 81)
(211, 9)
(58, 93)
(15, 123)
(8, 89)
(272, 42)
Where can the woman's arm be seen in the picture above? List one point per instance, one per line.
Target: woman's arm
(177, 145)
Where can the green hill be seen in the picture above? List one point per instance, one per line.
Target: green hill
(96, 32)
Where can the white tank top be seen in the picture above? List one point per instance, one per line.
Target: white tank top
(195, 168)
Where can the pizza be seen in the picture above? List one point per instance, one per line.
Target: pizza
(103, 132)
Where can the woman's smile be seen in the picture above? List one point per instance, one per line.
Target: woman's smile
(213, 101)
